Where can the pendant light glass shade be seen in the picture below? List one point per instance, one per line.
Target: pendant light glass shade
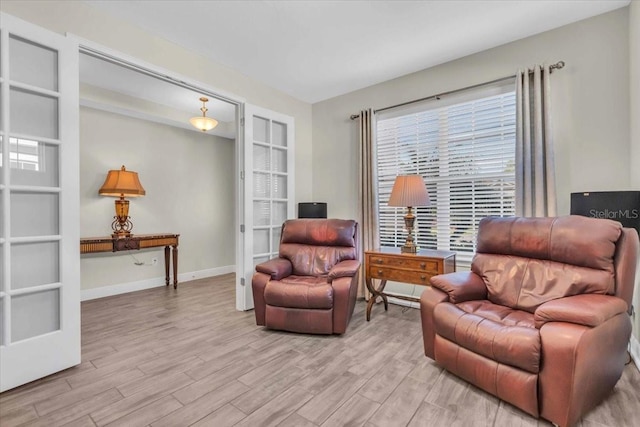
(203, 122)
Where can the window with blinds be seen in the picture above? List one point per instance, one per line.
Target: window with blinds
(464, 148)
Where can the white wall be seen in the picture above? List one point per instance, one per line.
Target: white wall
(188, 178)
(89, 23)
(83, 20)
(590, 110)
(634, 80)
(590, 102)
(80, 19)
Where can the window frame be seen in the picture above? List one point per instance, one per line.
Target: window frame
(433, 224)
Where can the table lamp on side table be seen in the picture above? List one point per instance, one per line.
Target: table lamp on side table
(409, 191)
(121, 183)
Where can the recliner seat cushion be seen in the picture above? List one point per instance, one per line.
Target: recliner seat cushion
(299, 292)
(513, 341)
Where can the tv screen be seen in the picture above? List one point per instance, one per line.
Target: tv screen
(312, 210)
(621, 206)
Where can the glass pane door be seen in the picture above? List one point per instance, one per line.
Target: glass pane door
(268, 189)
(39, 256)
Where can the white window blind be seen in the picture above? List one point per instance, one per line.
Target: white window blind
(464, 148)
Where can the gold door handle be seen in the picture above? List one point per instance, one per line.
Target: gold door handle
(380, 272)
(379, 261)
(423, 265)
(423, 277)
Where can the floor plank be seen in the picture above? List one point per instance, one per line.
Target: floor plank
(163, 357)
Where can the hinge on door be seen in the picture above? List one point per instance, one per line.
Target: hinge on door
(241, 174)
(242, 281)
(242, 228)
(241, 121)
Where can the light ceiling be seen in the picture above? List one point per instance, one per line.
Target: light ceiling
(107, 75)
(162, 101)
(315, 50)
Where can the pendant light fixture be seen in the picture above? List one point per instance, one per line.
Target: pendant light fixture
(203, 122)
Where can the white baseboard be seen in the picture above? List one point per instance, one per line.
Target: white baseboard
(201, 274)
(635, 351)
(123, 288)
(402, 302)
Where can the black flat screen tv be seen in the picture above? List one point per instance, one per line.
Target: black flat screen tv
(621, 206)
(312, 210)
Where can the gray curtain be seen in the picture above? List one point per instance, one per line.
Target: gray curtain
(368, 200)
(535, 165)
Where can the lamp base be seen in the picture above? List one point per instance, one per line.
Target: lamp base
(121, 227)
(409, 245)
(121, 234)
(409, 249)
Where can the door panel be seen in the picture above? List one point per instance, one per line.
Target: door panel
(268, 190)
(39, 230)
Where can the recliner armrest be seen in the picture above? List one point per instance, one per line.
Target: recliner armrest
(461, 286)
(585, 309)
(347, 268)
(277, 268)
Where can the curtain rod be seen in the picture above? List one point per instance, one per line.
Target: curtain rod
(557, 66)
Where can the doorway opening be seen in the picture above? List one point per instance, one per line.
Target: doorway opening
(136, 115)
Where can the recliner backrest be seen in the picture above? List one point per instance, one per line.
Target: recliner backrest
(525, 262)
(314, 246)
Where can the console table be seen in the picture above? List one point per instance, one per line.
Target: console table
(90, 245)
(391, 264)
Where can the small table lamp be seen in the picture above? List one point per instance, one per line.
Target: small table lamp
(409, 191)
(120, 183)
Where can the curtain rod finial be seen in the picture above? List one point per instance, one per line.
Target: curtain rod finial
(557, 66)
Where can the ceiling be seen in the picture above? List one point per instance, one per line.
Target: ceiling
(107, 75)
(118, 89)
(315, 50)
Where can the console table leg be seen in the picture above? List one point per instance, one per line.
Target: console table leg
(166, 265)
(175, 267)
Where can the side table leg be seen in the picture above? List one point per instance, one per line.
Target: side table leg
(166, 265)
(375, 293)
(383, 283)
(175, 267)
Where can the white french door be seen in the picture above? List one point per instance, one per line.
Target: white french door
(268, 188)
(39, 192)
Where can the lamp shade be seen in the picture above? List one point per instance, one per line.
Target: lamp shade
(121, 183)
(409, 190)
(203, 123)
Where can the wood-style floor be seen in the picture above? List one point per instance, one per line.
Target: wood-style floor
(187, 358)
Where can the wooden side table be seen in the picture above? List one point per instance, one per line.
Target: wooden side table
(391, 264)
(90, 245)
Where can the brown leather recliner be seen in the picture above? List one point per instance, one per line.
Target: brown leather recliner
(542, 319)
(312, 286)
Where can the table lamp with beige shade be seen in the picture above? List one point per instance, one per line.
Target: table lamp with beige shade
(409, 191)
(121, 183)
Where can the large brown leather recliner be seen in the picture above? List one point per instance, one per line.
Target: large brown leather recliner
(542, 319)
(312, 286)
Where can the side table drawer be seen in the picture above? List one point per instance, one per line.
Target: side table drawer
(405, 276)
(125, 244)
(426, 265)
